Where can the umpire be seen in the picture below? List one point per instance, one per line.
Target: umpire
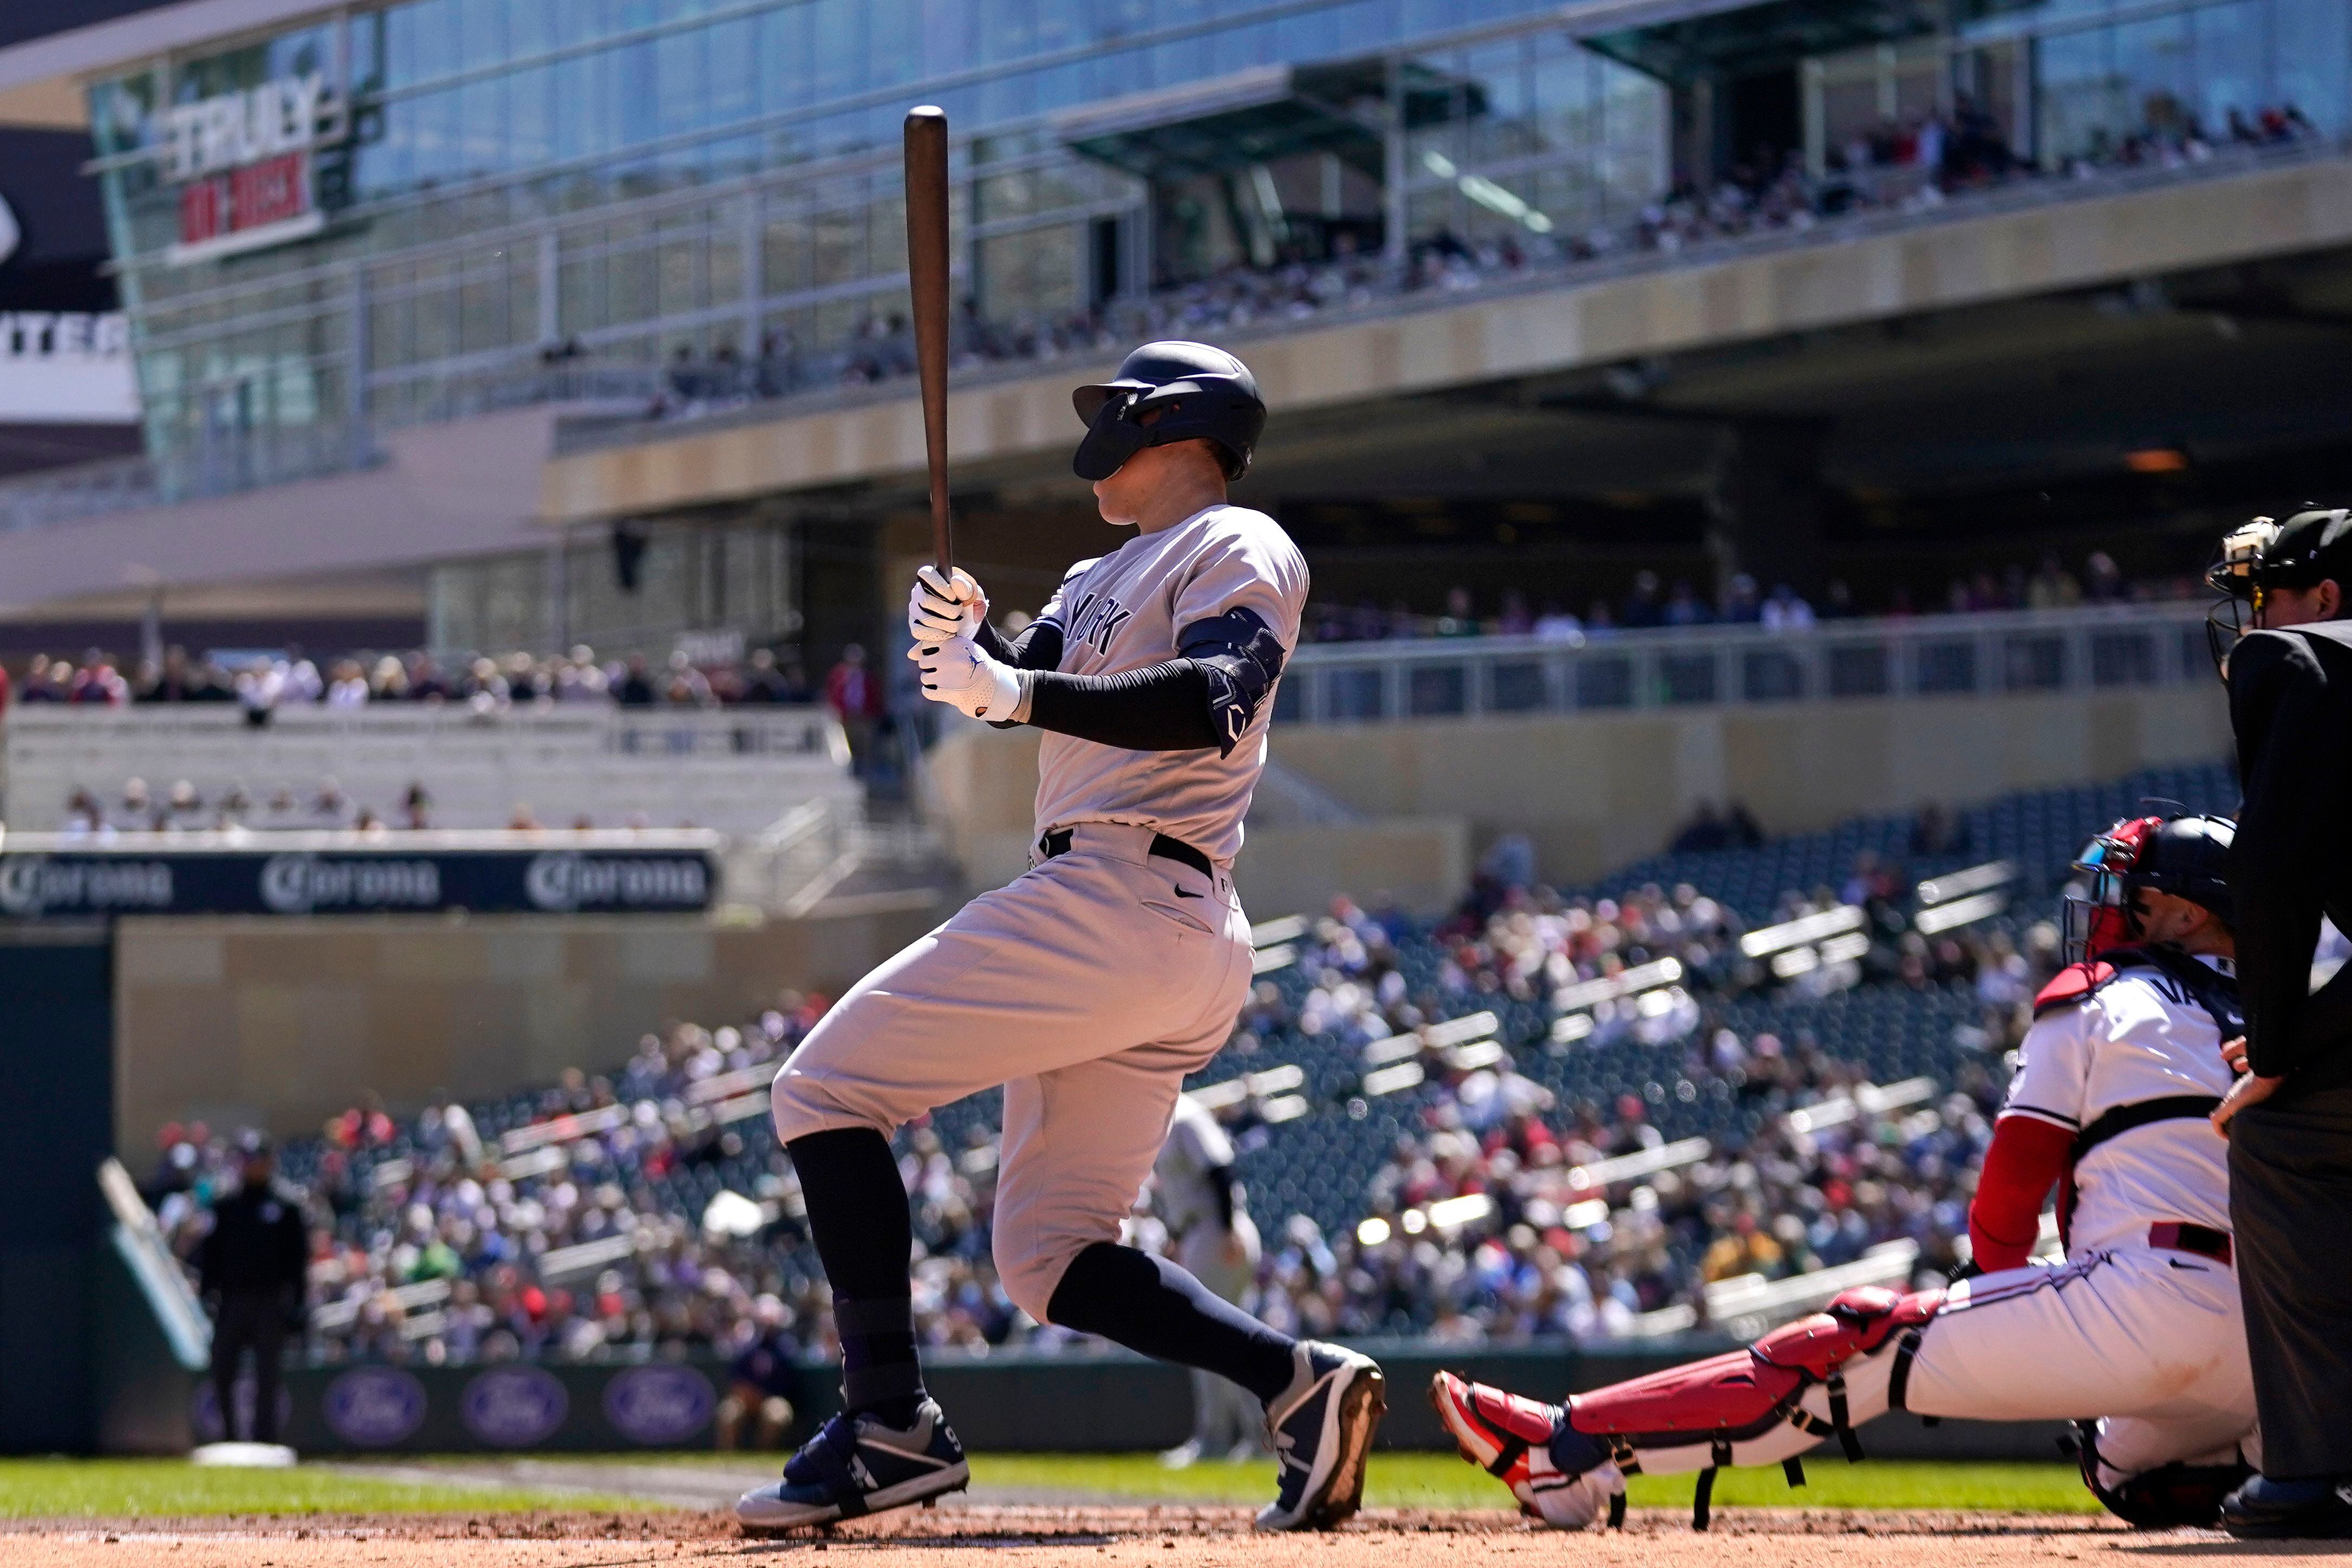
(2289, 1117)
(252, 1267)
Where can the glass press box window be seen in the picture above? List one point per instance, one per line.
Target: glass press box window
(392, 213)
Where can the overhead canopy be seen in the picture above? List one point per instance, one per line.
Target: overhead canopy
(1680, 42)
(1262, 114)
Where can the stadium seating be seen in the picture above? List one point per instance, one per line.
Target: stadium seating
(1414, 1159)
(736, 770)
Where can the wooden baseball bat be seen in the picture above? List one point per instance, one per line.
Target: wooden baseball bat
(927, 281)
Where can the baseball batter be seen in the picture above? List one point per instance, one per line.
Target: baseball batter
(2140, 1324)
(1092, 984)
(1199, 1200)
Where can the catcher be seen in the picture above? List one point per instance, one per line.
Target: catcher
(2139, 1324)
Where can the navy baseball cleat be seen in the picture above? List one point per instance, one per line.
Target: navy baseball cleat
(1322, 1428)
(856, 1464)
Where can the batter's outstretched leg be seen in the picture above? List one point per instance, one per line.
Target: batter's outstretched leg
(1323, 1402)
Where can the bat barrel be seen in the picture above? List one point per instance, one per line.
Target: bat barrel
(927, 281)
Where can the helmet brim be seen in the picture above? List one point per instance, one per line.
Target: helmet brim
(1089, 401)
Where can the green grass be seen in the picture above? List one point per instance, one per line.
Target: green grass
(1441, 1480)
(119, 1489)
(116, 1489)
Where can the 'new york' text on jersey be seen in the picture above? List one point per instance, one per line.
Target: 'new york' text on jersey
(1126, 611)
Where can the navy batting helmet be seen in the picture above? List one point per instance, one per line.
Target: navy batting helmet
(1202, 394)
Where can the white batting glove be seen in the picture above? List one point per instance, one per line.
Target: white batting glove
(960, 673)
(938, 608)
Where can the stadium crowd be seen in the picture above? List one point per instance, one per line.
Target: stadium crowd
(261, 683)
(649, 1211)
(264, 683)
(1914, 163)
(1651, 602)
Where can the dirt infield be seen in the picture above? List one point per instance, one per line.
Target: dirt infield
(1164, 1537)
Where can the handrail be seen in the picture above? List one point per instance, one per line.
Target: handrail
(1748, 1304)
(2089, 647)
(162, 1282)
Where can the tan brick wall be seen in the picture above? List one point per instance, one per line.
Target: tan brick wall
(282, 1023)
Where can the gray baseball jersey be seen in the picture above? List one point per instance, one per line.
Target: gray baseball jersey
(1128, 611)
(1196, 1145)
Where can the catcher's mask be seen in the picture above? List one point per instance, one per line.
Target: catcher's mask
(2185, 856)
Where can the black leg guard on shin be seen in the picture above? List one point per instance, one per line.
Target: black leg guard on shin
(2169, 1497)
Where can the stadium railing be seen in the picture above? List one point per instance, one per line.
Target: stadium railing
(734, 769)
(159, 1276)
(2092, 647)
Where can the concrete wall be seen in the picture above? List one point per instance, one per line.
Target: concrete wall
(983, 783)
(1597, 790)
(281, 1022)
(1971, 252)
(466, 487)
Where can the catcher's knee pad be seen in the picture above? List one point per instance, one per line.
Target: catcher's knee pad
(1745, 1395)
(2169, 1497)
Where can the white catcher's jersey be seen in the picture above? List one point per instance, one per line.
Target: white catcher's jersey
(2141, 1037)
(1195, 1146)
(1126, 611)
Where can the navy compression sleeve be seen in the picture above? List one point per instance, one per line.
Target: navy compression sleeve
(1163, 707)
(1039, 646)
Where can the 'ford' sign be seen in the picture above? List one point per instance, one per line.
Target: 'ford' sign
(374, 1406)
(104, 883)
(659, 1407)
(514, 1406)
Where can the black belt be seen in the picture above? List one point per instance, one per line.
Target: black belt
(1057, 843)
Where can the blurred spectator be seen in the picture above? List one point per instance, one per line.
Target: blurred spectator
(1740, 605)
(1461, 618)
(855, 699)
(1557, 625)
(98, 684)
(2102, 583)
(1643, 609)
(1936, 831)
(636, 688)
(2052, 587)
(1683, 607)
(1783, 611)
(1706, 830)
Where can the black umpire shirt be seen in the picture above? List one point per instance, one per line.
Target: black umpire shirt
(258, 1245)
(2291, 704)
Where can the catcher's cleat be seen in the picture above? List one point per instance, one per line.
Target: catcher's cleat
(1321, 1429)
(856, 1464)
(1559, 1475)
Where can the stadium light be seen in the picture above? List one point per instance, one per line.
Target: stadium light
(1486, 194)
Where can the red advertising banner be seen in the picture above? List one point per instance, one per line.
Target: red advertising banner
(258, 203)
